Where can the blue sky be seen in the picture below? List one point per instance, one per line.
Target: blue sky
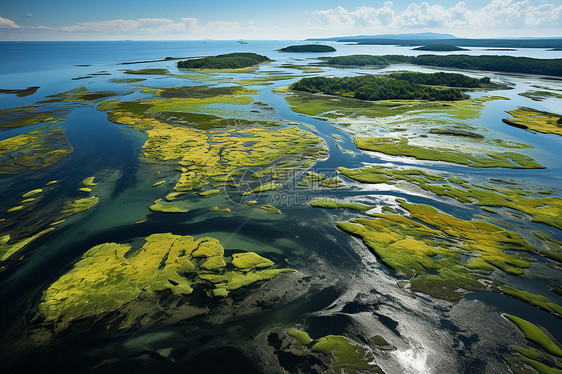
(288, 19)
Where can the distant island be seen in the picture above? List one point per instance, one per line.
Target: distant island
(439, 48)
(235, 60)
(428, 38)
(371, 87)
(308, 48)
(504, 64)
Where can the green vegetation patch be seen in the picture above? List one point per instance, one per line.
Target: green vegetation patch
(148, 72)
(338, 354)
(302, 338)
(536, 120)
(308, 48)
(224, 61)
(339, 108)
(266, 187)
(26, 116)
(311, 177)
(540, 95)
(327, 203)
(81, 94)
(429, 247)
(128, 80)
(8, 246)
(270, 209)
(546, 210)
(161, 207)
(401, 147)
(201, 92)
(89, 182)
(334, 182)
(372, 88)
(347, 356)
(110, 275)
(536, 335)
(73, 207)
(34, 150)
(212, 151)
(209, 193)
(536, 300)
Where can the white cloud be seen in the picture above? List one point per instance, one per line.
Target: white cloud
(185, 27)
(496, 14)
(6, 23)
(141, 25)
(28, 15)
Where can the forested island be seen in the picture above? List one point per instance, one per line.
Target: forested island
(439, 48)
(235, 60)
(506, 64)
(370, 87)
(308, 48)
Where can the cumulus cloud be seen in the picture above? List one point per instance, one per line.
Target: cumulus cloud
(6, 23)
(496, 14)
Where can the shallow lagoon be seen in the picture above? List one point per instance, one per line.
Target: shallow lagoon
(340, 287)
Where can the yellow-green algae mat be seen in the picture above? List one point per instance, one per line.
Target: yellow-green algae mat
(205, 154)
(33, 150)
(546, 210)
(545, 360)
(434, 256)
(108, 276)
(401, 147)
(11, 243)
(345, 354)
(536, 120)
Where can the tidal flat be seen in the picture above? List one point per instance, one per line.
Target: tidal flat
(167, 219)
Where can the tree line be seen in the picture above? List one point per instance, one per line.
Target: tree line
(370, 87)
(507, 64)
(442, 79)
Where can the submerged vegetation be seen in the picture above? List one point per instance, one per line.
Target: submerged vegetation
(226, 61)
(506, 64)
